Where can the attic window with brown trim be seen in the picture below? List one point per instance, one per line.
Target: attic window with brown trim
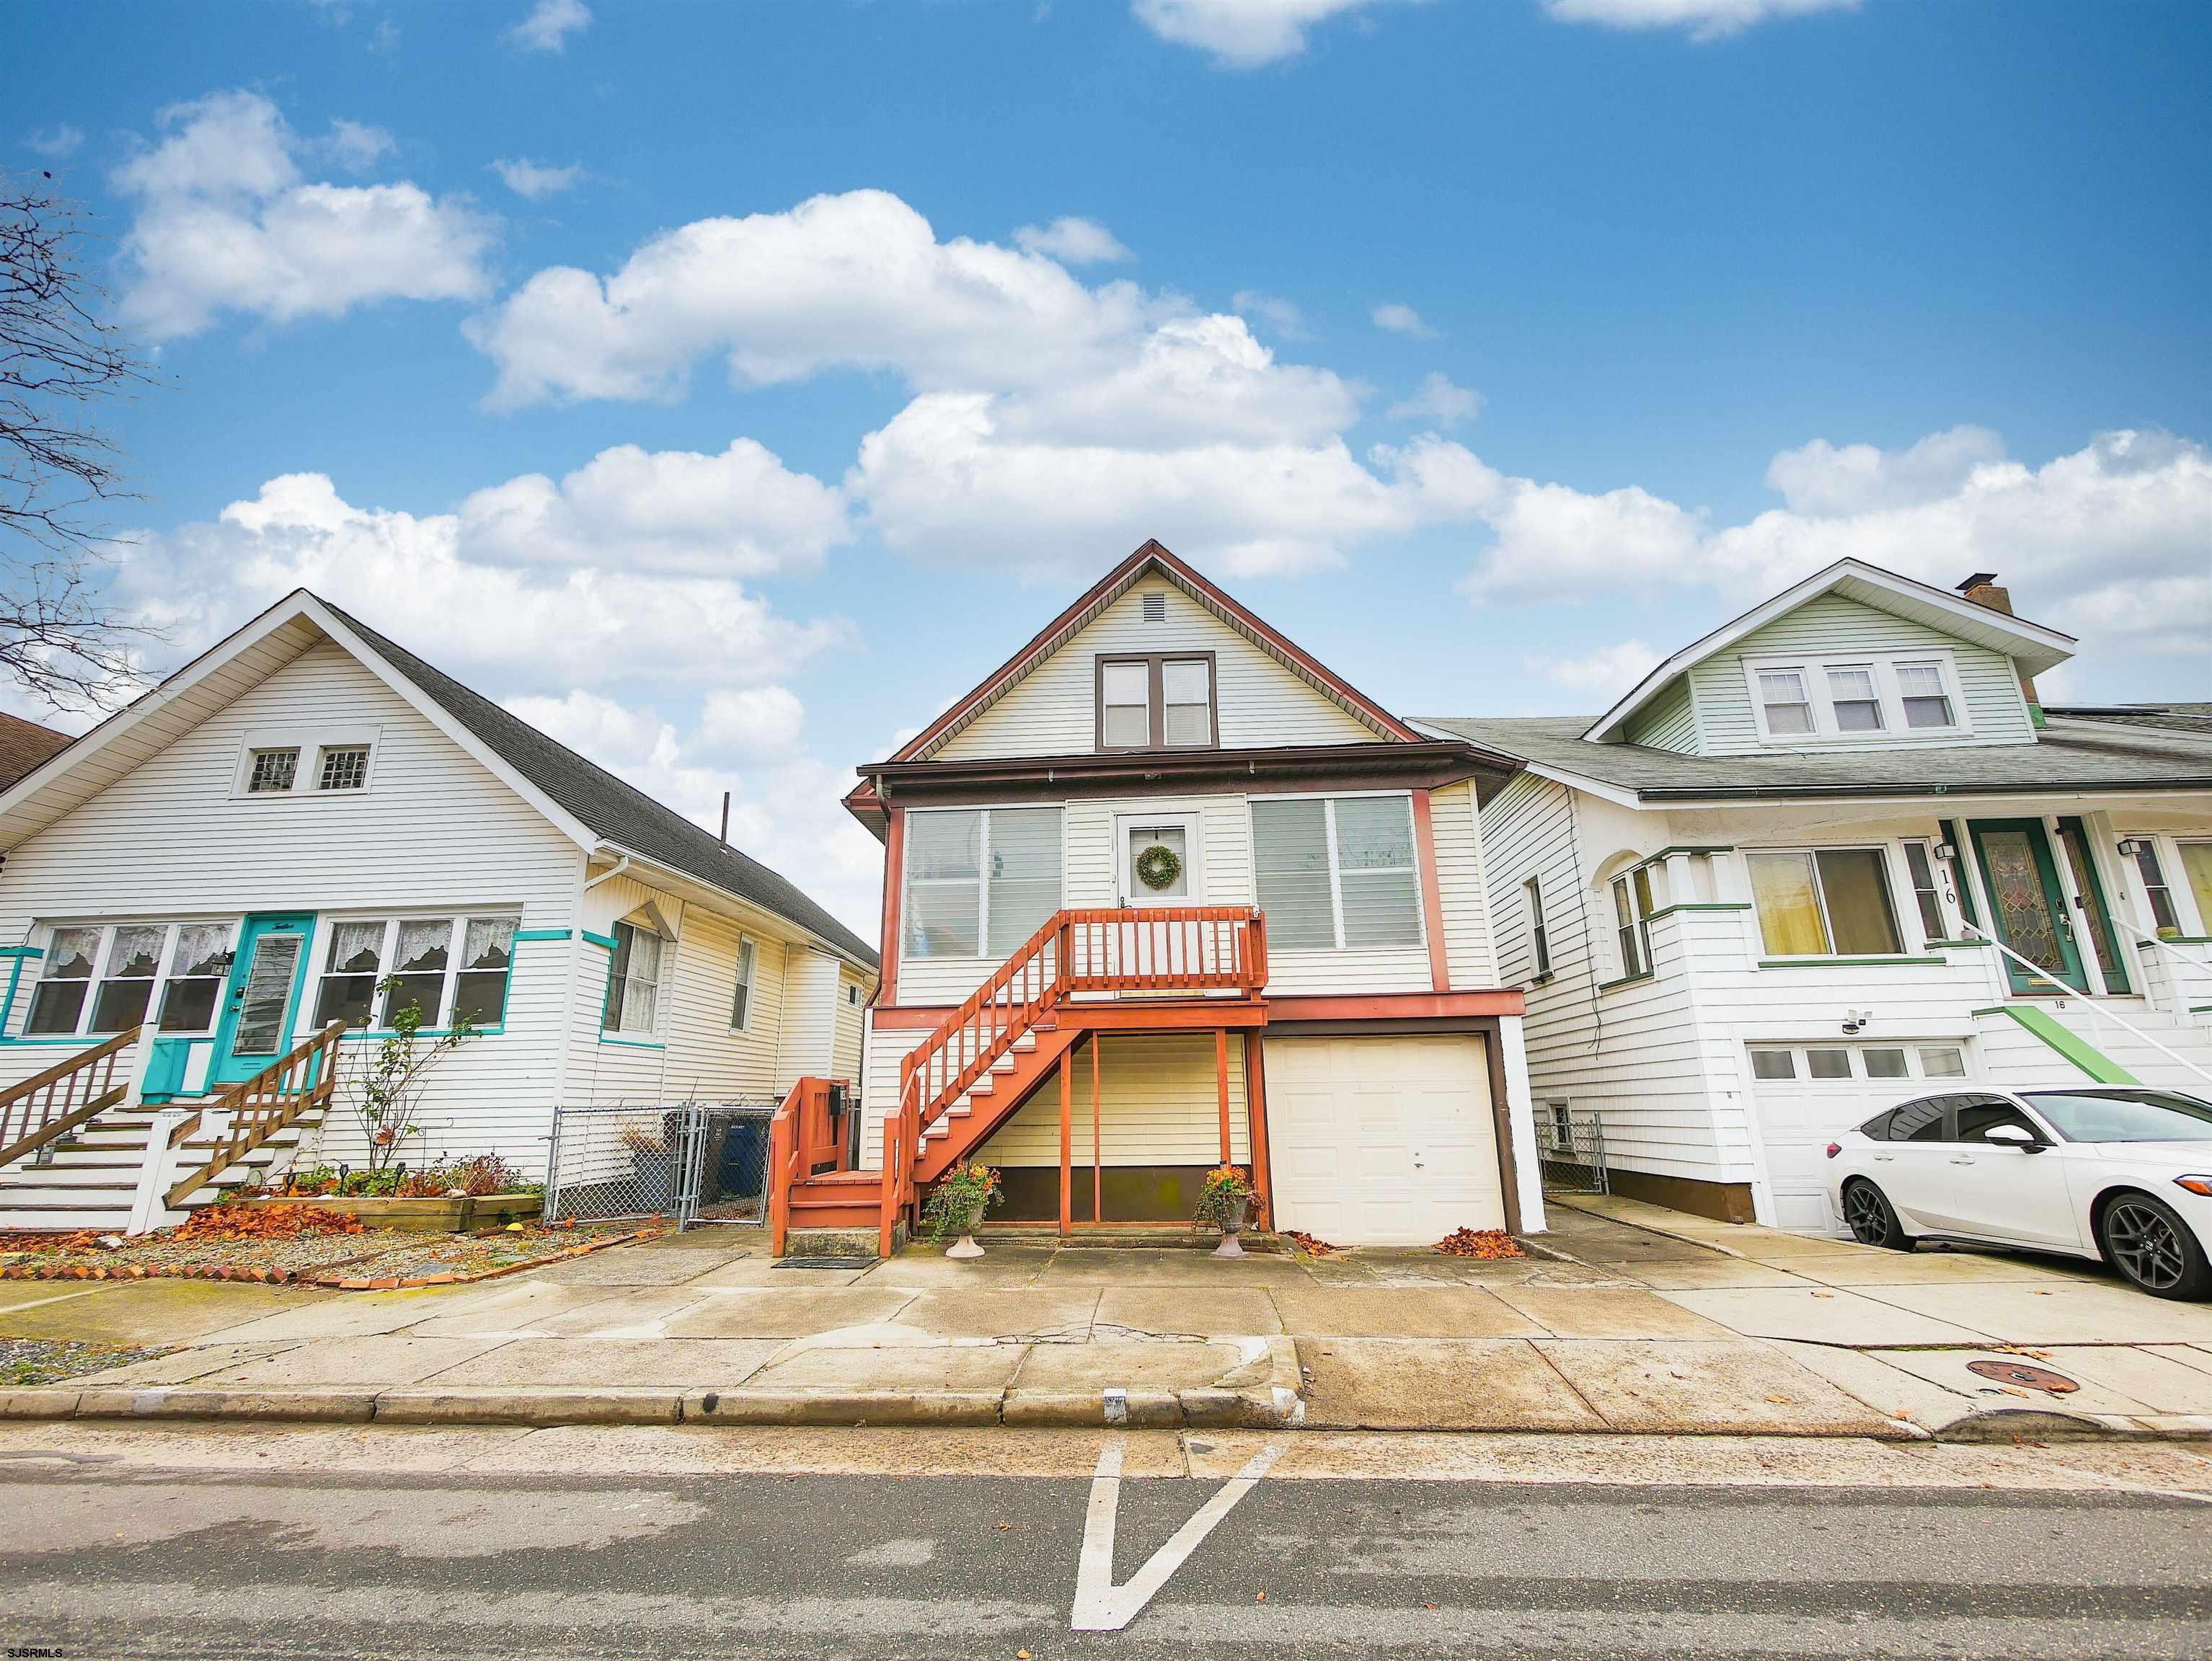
(1160, 701)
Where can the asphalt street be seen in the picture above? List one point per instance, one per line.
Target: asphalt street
(109, 1557)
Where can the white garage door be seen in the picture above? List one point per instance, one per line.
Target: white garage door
(1382, 1141)
(1806, 1093)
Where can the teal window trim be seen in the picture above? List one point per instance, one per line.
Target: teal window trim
(22, 951)
(89, 1041)
(1694, 849)
(352, 1035)
(1955, 944)
(1809, 963)
(605, 942)
(1625, 980)
(629, 1043)
(521, 935)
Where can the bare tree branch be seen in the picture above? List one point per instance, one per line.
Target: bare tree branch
(62, 363)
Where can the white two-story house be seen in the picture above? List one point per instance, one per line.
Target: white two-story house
(1833, 855)
(307, 811)
(1164, 893)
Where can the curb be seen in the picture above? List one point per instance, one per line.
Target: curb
(1270, 1402)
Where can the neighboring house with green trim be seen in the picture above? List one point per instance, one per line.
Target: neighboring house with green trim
(1754, 901)
(245, 851)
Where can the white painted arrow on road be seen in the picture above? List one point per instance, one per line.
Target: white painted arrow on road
(1102, 1606)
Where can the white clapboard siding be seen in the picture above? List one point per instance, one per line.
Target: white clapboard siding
(848, 1041)
(708, 1059)
(436, 832)
(887, 1047)
(809, 1014)
(1832, 627)
(1468, 953)
(1159, 1104)
(1668, 722)
(1054, 710)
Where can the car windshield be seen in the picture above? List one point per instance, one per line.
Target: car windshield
(2124, 1115)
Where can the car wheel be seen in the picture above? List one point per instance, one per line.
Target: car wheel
(2146, 1239)
(1872, 1219)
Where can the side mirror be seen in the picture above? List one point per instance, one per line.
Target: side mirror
(2014, 1136)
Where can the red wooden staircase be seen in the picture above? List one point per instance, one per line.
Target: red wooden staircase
(1150, 968)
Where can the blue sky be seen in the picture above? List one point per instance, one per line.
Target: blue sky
(1489, 349)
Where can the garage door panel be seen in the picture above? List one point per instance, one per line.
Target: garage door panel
(1382, 1141)
(1799, 1115)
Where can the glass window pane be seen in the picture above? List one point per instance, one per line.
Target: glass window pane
(1189, 725)
(1773, 1064)
(1026, 875)
(201, 948)
(1127, 683)
(69, 955)
(1856, 889)
(1828, 1063)
(1928, 713)
(1627, 931)
(1125, 689)
(273, 770)
(1173, 838)
(1290, 858)
(489, 943)
(346, 997)
(423, 945)
(55, 1007)
(1789, 908)
(1922, 869)
(481, 996)
(425, 993)
(944, 845)
(1128, 727)
(1382, 909)
(1851, 694)
(260, 1029)
(1978, 1119)
(121, 1004)
(2164, 918)
(2197, 863)
(1375, 832)
(356, 949)
(1186, 692)
(136, 952)
(741, 1000)
(1788, 711)
(1942, 1061)
(942, 919)
(1926, 703)
(188, 1006)
(343, 768)
(1884, 1063)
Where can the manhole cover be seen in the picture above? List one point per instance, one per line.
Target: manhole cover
(2019, 1373)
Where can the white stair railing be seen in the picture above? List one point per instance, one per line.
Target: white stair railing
(1974, 931)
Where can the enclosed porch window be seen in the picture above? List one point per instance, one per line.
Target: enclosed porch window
(445, 966)
(109, 978)
(979, 881)
(1824, 902)
(1337, 873)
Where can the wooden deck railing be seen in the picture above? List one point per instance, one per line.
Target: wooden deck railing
(1148, 950)
(45, 1108)
(273, 1099)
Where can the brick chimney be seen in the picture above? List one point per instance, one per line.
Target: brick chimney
(1982, 589)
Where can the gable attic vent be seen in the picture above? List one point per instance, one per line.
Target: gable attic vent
(1156, 608)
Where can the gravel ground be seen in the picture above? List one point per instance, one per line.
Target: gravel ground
(26, 1361)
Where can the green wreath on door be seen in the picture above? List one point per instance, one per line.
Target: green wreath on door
(1158, 867)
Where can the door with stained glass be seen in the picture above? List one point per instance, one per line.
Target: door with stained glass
(2028, 903)
(261, 1000)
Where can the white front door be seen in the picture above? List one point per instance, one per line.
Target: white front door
(1382, 1141)
(1160, 860)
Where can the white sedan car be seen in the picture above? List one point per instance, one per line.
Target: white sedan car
(2124, 1173)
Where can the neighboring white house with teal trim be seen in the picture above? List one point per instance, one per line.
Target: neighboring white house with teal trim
(306, 810)
(1752, 903)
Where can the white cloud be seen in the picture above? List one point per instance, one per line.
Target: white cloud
(752, 721)
(225, 222)
(357, 147)
(740, 513)
(1072, 241)
(508, 628)
(550, 24)
(1438, 401)
(1705, 20)
(1240, 34)
(56, 143)
(2107, 542)
(528, 179)
(1401, 319)
(1281, 315)
(1605, 673)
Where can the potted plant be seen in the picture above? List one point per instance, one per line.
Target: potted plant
(1223, 1204)
(956, 1205)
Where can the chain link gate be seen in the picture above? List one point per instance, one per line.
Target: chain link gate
(1572, 1155)
(695, 1161)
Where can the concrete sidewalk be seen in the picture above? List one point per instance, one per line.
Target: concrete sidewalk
(704, 1328)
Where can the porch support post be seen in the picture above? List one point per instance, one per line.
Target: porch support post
(1098, 1172)
(1255, 1115)
(1221, 1084)
(1067, 1141)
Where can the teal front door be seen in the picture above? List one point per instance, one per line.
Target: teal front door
(261, 1004)
(2028, 905)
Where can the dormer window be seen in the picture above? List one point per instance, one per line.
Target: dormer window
(1161, 701)
(343, 767)
(271, 771)
(1810, 700)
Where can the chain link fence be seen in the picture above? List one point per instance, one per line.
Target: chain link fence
(694, 1161)
(1573, 1151)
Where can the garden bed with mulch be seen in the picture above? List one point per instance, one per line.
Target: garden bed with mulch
(27, 1362)
(324, 1249)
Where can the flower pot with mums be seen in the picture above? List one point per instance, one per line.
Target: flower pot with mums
(956, 1205)
(1224, 1203)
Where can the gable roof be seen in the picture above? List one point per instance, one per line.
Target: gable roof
(2035, 647)
(587, 803)
(25, 745)
(2085, 750)
(1152, 557)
